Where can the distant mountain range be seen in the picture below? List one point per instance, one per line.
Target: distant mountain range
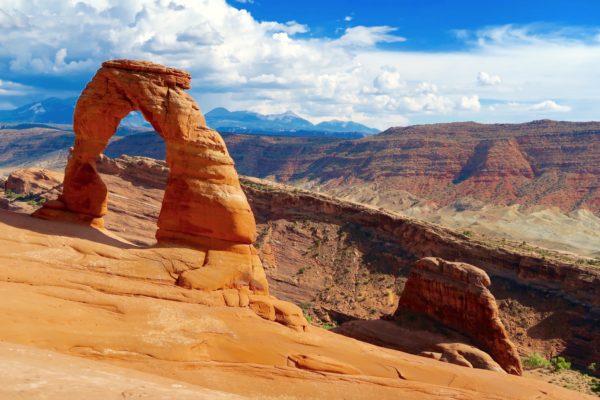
(224, 120)
(60, 111)
(49, 111)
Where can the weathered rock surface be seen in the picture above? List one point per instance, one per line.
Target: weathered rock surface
(457, 294)
(36, 181)
(77, 290)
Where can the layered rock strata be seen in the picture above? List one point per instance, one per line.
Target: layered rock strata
(457, 295)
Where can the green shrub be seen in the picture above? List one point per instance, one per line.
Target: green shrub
(10, 194)
(560, 364)
(468, 233)
(595, 386)
(536, 360)
(595, 262)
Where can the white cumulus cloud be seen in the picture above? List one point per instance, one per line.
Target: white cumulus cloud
(550, 106)
(240, 62)
(470, 103)
(388, 80)
(485, 79)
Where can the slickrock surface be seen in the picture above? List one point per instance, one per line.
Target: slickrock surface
(457, 295)
(81, 291)
(35, 374)
(203, 203)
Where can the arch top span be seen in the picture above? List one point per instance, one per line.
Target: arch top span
(177, 77)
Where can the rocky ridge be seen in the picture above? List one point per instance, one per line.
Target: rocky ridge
(424, 171)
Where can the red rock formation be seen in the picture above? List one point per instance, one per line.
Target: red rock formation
(456, 294)
(203, 204)
(203, 197)
(33, 181)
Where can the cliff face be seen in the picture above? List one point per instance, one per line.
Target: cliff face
(342, 260)
(542, 163)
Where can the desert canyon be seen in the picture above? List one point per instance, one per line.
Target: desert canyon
(232, 295)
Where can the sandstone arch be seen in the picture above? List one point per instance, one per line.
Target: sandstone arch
(203, 204)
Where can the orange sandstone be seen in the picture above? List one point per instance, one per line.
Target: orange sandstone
(457, 295)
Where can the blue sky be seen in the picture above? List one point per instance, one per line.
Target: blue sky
(383, 63)
(428, 25)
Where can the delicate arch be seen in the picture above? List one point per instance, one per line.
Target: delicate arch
(203, 199)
